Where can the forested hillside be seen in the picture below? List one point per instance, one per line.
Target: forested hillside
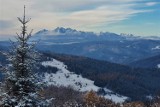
(135, 83)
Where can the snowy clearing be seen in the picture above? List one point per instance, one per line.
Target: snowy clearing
(116, 98)
(64, 77)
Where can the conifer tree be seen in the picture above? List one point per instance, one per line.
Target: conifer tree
(21, 85)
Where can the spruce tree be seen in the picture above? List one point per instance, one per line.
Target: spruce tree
(21, 85)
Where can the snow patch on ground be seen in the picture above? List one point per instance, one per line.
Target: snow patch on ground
(114, 97)
(64, 77)
(155, 48)
(150, 97)
(158, 65)
(92, 50)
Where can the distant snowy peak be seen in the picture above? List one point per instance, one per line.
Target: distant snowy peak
(152, 37)
(43, 31)
(130, 36)
(110, 36)
(107, 33)
(62, 30)
(127, 35)
(58, 31)
(103, 35)
(46, 32)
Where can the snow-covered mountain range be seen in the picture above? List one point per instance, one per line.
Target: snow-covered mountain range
(70, 32)
(123, 48)
(118, 48)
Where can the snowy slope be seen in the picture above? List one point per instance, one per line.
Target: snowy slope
(64, 77)
(114, 97)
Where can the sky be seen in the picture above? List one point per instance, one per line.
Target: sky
(139, 17)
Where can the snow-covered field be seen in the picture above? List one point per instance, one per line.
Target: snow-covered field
(64, 77)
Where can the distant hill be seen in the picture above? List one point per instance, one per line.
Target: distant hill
(123, 48)
(123, 52)
(151, 62)
(107, 46)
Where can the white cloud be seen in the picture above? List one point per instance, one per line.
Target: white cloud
(151, 3)
(78, 14)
